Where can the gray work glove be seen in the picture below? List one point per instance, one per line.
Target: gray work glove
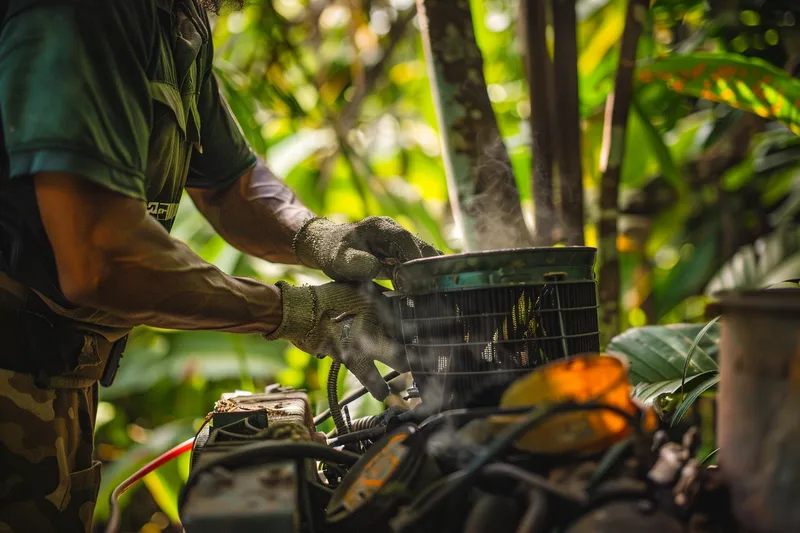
(363, 250)
(343, 321)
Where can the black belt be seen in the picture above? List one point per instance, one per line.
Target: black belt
(46, 347)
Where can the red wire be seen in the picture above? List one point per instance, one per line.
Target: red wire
(169, 455)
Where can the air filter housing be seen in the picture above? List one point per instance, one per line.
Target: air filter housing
(472, 323)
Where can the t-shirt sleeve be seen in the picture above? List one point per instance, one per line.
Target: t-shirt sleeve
(225, 155)
(74, 95)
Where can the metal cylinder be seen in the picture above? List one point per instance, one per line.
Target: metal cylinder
(758, 424)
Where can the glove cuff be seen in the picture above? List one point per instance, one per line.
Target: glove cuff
(300, 309)
(301, 248)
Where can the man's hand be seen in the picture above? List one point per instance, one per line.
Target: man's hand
(364, 250)
(343, 321)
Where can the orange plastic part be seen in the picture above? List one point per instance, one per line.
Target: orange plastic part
(593, 377)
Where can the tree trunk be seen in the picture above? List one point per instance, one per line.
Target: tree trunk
(616, 125)
(483, 192)
(565, 58)
(540, 90)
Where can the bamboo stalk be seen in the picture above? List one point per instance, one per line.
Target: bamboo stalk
(570, 174)
(616, 125)
(540, 90)
(483, 193)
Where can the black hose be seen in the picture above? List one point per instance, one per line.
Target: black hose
(333, 399)
(365, 434)
(535, 518)
(351, 397)
(533, 480)
(438, 492)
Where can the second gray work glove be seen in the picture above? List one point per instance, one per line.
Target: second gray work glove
(343, 321)
(363, 250)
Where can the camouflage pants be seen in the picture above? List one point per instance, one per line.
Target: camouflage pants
(48, 478)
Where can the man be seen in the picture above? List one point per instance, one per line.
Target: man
(109, 110)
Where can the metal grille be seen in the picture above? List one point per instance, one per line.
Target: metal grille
(461, 342)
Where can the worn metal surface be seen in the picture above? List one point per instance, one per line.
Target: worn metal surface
(758, 426)
(497, 268)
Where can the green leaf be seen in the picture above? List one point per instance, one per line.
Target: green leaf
(648, 393)
(669, 169)
(165, 494)
(744, 83)
(658, 353)
(771, 259)
(693, 348)
(692, 397)
(158, 441)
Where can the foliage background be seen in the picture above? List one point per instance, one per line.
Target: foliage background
(335, 94)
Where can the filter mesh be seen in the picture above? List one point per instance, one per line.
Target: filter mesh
(461, 342)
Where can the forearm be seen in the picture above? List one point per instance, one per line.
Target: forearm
(160, 282)
(258, 214)
(111, 255)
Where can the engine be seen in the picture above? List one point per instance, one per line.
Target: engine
(514, 423)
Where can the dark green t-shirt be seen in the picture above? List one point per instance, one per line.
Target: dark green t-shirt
(120, 92)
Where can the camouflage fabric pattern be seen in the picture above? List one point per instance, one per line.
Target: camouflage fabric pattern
(50, 480)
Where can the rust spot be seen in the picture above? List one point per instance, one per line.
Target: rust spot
(727, 94)
(664, 75)
(645, 76)
(776, 107)
(707, 95)
(706, 84)
(726, 72)
(766, 80)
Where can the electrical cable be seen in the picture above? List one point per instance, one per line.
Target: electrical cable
(334, 407)
(358, 436)
(271, 450)
(164, 458)
(351, 397)
(479, 412)
(430, 498)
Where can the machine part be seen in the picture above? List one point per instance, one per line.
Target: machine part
(351, 397)
(333, 399)
(253, 463)
(598, 378)
(247, 499)
(477, 321)
(626, 515)
(434, 495)
(758, 424)
(385, 477)
(493, 512)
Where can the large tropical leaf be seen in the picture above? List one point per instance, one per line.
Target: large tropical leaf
(769, 260)
(657, 354)
(648, 393)
(744, 83)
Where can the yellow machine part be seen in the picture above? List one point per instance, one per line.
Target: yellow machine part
(593, 377)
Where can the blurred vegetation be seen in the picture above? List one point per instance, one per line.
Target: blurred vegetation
(335, 94)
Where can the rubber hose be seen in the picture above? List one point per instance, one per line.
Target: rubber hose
(333, 399)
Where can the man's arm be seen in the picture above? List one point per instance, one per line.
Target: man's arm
(258, 214)
(113, 256)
